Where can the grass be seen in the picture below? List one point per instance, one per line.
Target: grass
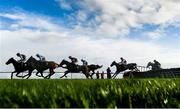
(122, 93)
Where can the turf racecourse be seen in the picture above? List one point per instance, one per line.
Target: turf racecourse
(122, 93)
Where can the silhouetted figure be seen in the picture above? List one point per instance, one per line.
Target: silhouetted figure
(97, 74)
(108, 73)
(19, 68)
(123, 61)
(102, 75)
(42, 66)
(120, 67)
(41, 58)
(73, 59)
(84, 62)
(73, 68)
(93, 67)
(154, 66)
(22, 58)
(157, 64)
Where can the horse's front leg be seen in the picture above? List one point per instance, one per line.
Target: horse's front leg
(29, 74)
(65, 73)
(18, 74)
(87, 76)
(38, 73)
(12, 74)
(114, 74)
(93, 73)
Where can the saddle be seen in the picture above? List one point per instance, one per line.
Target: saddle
(23, 64)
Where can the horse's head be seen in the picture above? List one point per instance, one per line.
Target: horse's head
(113, 63)
(31, 61)
(149, 64)
(11, 60)
(63, 62)
(99, 66)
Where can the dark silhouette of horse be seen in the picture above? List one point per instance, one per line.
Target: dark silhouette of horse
(73, 68)
(153, 66)
(93, 67)
(121, 67)
(19, 67)
(41, 66)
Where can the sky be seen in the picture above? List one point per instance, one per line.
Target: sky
(99, 31)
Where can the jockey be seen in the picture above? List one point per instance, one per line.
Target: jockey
(41, 58)
(123, 61)
(22, 58)
(73, 59)
(157, 64)
(84, 62)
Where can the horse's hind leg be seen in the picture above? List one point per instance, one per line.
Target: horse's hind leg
(50, 74)
(92, 73)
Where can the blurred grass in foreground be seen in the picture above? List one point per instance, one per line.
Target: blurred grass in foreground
(122, 93)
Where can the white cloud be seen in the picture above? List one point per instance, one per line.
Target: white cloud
(117, 17)
(24, 19)
(156, 34)
(58, 45)
(58, 42)
(64, 4)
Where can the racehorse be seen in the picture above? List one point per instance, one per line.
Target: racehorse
(121, 67)
(153, 66)
(73, 68)
(93, 67)
(20, 67)
(42, 66)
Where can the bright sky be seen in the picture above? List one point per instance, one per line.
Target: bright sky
(99, 31)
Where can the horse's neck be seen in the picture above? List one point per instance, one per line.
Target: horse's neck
(15, 63)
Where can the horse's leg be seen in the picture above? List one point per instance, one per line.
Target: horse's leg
(50, 74)
(41, 72)
(29, 74)
(87, 76)
(53, 72)
(137, 69)
(93, 73)
(18, 74)
(38, 73)
(114, 74)
(12, 74)
(65, 73)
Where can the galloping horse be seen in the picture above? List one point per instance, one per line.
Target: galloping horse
(153, 66)
(20, 68)
(120, 67)
(72, 68)
(42, 66)
(92, 68)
